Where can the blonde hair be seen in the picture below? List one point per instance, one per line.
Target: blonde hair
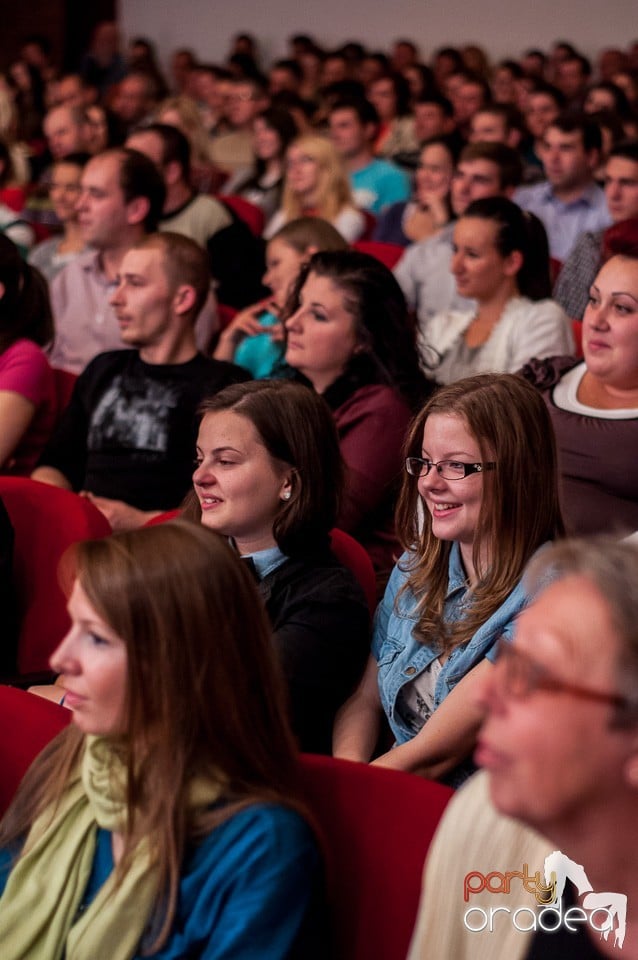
(333, 191)
(191, 125)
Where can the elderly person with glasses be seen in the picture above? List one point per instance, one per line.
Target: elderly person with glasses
(557, 799)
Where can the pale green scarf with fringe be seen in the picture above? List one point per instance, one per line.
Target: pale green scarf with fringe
(38, 910)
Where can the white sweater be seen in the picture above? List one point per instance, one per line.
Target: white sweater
(526, 329)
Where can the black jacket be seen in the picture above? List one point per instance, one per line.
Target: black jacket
(321, 630)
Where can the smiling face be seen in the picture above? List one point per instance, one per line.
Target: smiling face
(267, 142)
(551, 756)
(65, 190)
(434, 171)
(240, 487)
(322, 333)
(283, 263)
(92, 660)
(478, 266)
(610, 325)
(454, 505)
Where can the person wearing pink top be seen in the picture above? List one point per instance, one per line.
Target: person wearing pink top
(28, 403)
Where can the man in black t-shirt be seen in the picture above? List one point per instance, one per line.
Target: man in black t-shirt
(127, 438)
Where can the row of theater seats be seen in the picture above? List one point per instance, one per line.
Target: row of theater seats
(46, 521)
(374, 825)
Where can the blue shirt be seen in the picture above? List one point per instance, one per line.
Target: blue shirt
(244, 890)
(260, 354)
(401, 658)
(379, 184)
(564, 222)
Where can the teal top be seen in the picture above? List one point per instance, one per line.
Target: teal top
(259, 354)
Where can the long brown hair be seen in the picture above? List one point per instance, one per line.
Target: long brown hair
(519, 510)
(190, 616)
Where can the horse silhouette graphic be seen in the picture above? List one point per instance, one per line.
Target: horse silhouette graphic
(613, 904)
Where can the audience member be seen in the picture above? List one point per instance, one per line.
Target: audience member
(572, 77)
(64, 128)
(558, 796)
(433, 117)
(273, 131)
(28, 401)
(316, 184)
(135, 100)
(429, 210)
(594, 406)
(501, 262)
(269, 475)
(569, 201)
(126, 437)
(233, 151)
(375, 183)
(497, 123)
(424, 271)
(183, 113)
(170, 807)
(54, 254)
(254, 338)
(120, 200)
(479, 498)
(621, 192)
(349, 335)
(544, 106)
(103, 65)
(390, 96)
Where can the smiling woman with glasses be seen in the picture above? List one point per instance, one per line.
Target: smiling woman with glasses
(479, 498)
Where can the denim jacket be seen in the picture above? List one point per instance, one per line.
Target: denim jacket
(401, 658)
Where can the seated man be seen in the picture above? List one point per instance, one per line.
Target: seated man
(236, 257)
(580, 269)
(121, 200)
(568, 201)
(554, 812)
(128, 434)
(375, 183)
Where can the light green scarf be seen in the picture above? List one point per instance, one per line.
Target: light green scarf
(45, 888)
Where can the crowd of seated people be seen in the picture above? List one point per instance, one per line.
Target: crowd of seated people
(366, 295)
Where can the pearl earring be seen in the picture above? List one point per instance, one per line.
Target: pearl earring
(286, 496)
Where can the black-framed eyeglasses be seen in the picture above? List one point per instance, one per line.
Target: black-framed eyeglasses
(521, 676)
(448, 469)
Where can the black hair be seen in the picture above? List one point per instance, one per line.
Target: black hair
(139, 177)
(518, 230)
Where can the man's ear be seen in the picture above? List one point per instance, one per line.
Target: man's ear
(184, 299)
(137, 210)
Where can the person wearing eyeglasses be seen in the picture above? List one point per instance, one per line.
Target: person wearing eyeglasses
(479, 498)
(559, 786)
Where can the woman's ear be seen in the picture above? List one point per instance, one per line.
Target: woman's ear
(308, 253)
(513, 263)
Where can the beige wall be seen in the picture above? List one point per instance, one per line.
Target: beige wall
(504, 28)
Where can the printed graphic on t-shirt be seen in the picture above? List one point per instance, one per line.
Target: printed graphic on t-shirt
(134, 415)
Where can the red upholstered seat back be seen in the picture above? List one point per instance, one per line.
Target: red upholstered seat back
(46, 520)
(376, 826)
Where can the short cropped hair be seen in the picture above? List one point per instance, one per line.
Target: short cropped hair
(505, 158)
(139, 177)
(184, 261)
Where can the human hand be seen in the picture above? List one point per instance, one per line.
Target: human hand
(120, 515)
